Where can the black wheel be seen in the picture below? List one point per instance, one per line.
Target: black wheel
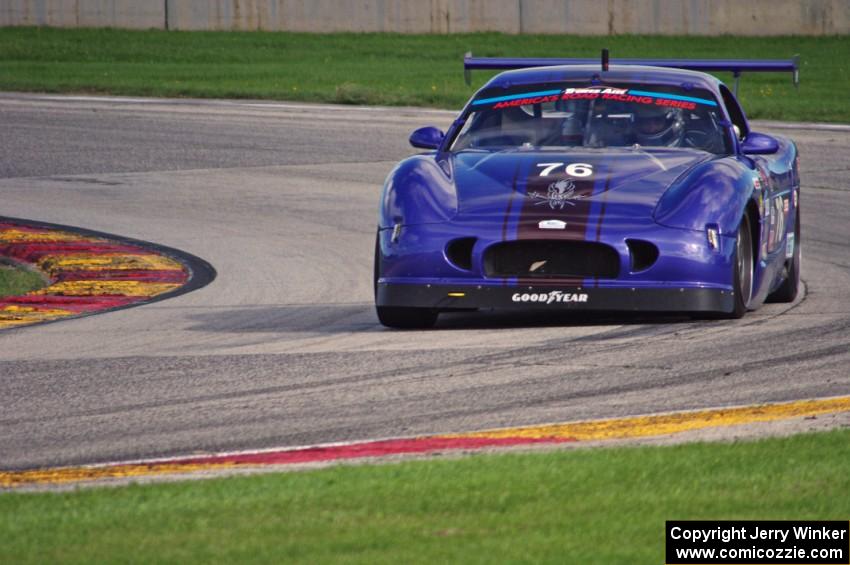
(787, 291)
(376, 264)
(401, 317)
(742, 276)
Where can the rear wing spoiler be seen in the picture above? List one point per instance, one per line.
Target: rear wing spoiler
(734, 66)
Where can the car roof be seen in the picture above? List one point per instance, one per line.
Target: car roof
(615, 74)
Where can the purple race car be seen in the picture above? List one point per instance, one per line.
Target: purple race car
(566, 184)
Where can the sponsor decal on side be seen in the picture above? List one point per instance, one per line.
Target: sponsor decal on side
(549, 297)
(777, 224)
(764, 178)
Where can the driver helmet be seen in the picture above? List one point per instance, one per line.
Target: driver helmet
(659, 126)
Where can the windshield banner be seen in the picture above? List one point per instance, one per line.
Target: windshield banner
(595, 93)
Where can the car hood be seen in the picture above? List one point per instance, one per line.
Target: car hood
(527, 187)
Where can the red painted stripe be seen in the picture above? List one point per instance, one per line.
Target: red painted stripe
(33, 251)
(367, 449)
(147, 275)
(73, 303)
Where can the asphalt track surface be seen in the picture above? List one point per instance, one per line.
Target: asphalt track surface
(283, 348)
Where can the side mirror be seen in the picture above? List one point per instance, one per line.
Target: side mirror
(759, 144)
(427, 138)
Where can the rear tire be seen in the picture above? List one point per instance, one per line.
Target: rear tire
(787, 291)
(400, 317)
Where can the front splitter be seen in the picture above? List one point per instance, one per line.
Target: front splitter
(440, 296)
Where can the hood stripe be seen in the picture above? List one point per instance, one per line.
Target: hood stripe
(509, 209)
(601, 215)
(577, 214)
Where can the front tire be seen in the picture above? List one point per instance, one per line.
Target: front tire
(400, 317)
(742, 271)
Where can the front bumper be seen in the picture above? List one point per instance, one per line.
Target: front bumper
(451, 297)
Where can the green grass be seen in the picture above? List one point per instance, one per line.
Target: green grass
(582, 506)
(387, 69)
(14, 281)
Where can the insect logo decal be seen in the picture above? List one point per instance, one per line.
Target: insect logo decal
(561, 193)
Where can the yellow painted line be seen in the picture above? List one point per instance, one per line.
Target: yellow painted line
(62, 475)
(663, 424)
(617, 428)
(23, 236)
(107, 261)
(106, 287)
(14, 315)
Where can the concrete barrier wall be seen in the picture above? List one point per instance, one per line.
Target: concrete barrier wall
(140, 14)
(585, 17)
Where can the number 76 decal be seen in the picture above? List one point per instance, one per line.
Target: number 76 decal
(573, 169)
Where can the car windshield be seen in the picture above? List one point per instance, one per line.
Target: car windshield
(576, 115)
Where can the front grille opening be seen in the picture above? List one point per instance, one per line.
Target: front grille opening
(643, 254)
(459, 252)
(551, 259)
